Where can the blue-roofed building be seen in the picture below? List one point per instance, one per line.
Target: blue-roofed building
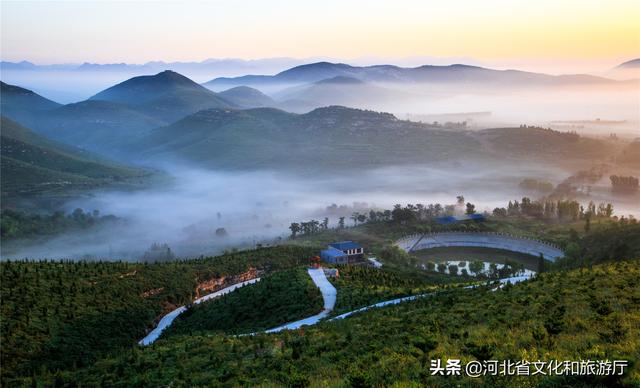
(343, 252)
(334, 256)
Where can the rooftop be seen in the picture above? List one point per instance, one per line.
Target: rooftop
(333, 252)
(344, 245)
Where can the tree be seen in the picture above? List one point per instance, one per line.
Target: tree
(476, 267)
(555, 322)
(471, 208)
(573, 250)
(341, 222)
(587, 223)
(354, 217)
(460, 200)
(295, 229)
(362, 218)
(541, 263)
(609, 210)
(325, 223)
(500, 212)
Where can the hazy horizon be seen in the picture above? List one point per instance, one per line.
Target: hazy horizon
(567, 37)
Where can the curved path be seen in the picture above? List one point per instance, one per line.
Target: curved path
(512, 280)
(329, 294)
(487, 240)
(168, 319)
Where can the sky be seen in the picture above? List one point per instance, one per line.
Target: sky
(536, 35)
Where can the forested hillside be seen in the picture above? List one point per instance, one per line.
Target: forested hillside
(589, 313)
(277, 299)
(345, 138)
(62, 315)
(34, 165)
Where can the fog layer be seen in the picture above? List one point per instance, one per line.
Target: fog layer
(258, 207)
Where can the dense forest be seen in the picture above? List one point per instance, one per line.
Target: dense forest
(589, 313)
(277, 299)
(18, 224)
(78, 322)
(360, 286)
(62, 314)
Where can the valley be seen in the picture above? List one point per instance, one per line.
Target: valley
(326, 224)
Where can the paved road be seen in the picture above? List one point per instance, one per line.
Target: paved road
(168, 319)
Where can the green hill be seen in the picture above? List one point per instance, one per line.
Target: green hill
(277, 299)
(324, 138)
(525, 141)
(99, 126)
(33, 165)
(246, 97)
(345, 138)
(21, 104)
(77, 323)
(167, 96)
(62, 315)
(589, 313)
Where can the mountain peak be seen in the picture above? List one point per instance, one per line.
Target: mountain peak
(148, 87)
(247, 97)
(316, 71)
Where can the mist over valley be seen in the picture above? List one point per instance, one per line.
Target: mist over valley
(233, 162)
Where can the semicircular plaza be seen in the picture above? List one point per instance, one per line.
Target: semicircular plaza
(507, 242)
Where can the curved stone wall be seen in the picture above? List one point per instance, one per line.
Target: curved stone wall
(487, 240)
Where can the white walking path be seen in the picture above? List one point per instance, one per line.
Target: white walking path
(329, 295)
(168, 319)
(512, 280)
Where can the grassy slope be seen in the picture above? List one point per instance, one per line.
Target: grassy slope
(580, 314)
(277, 299)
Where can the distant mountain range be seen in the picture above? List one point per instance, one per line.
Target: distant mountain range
(465, 74)
(339, 90)
(169, 116)
(209, 66)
